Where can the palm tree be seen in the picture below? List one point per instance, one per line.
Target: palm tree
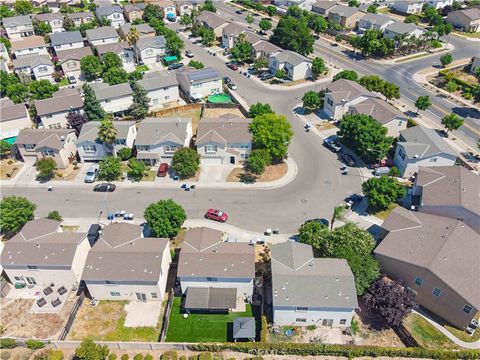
(132, 37)
(338, 213)
(107, 132)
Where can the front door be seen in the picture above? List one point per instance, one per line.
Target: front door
(141, 297)
(232, 160)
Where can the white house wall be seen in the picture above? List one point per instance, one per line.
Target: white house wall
(75, 45)
(97, 155)
(244, 286)
(160, 97)
(204, 89)
(285, 316)
(111, 40)
(408, 167)
(44, 276)
(99, 291)
(117, 105)
(152, 55)
(55, 121)
(12, 127)
(31, 51)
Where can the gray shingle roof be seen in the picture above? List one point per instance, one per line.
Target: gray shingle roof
(100, 33)
(59, 103)
(291, 57)
(324, 5)
(380, 19)
(115, 48)
(49, 16)
(73, 54)
(244, 328)
(198, 76)
(80, 15)
(347, 90)
(89, 130)
(108, 10)
(158, 79)
(104, 91)
(266, 47)
(65, 37)
(343, 11)
(378, 109)
(233, 29)
(211, 19)
(211, 298)
(31, 61)
(143, 29)
(17, 20)
(299, 279)
(227, 129)
(52, 138)
(401, 28)
(11, 111)
(423, 142)
(153, 131)
(157, 42)
(472, 13)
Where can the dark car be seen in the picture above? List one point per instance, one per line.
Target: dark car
(332, 143)
(239, 12)
(266, 76)
(226, 80)
(162, 170)
(104, 187)
(175, 66)
(93, 233)
(348, 159)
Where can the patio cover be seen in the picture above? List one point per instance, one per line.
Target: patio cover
(210, 298)
(244, 328)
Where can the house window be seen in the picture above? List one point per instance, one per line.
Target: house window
(154, 295)
(301, 308)
(55, 126)
(167, 97)
(116, 16)
(32, 267)
(89, 148)
(48, 152)
(149, 52)
(18, 278)
(467, 309)
(433, 159)
(143, 147)
(120, 142)
(31, 280)
(343, 321)
(212, 279)
(402, 154)
(304, 320)
(436, 292)
(56, 22)
(330, 102)
(412, 292)
(124, 55)
(170, 149)
(418, 281)
(155, 101)
(114, 293)
(29, 147)
(42, 69)
(210, 149)
(110, 282)
(71, 64)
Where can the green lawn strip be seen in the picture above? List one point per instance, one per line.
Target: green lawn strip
(63, 82)
(383, 214)
(462, 335)
(475, 35)
(426, 334)
(200, 327)
(149, 175)
(122, 333)
(142, 68)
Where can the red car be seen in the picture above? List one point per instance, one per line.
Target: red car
(162, 170)
(216, 215)
(233, 66)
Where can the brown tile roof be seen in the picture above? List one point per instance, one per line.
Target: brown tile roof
(73, 54)
(28, 42)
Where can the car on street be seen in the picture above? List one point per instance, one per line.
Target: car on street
(267, 18)
(239, 12)
(216, 215)
(162, 170)
(71, 79)
(92, 173)
(232, 86)
(266, 76)
(189, 54)
(232, 66)
(332, 143)
(226, 80)
(175, 66)
(104, 187)
(348, 159)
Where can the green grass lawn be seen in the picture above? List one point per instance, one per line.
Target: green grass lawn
(200, 327)
(462, 335)
(475, 35)
(63, 82)
(383, 214)
(425, 334)
(149, 175)
(142, 68)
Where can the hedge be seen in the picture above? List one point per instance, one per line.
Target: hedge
(336, 350)
(264, 329)
(8, 343)
(465, 85)
(34, 344)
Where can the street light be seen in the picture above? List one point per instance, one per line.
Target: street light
(106, 205)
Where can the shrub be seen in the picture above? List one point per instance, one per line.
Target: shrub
(411, 123)
(124, 357)
(49, 354)
(311, 327)
(138, 357)
(264, 329)
(8, 343)
(34, 344)
(169, 355)
(394, 171)
(205, 356)
(112, 356)
(5, 355)
(183, 357)
(185, 162)
(124, 153)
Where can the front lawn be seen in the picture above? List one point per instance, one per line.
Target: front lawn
(201, 327)
(142, 68)
(63, 82)
(426, 334)
(384, 213)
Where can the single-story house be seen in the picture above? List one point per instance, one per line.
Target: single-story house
(53, 111)
(374, 21)
(67, 40)
(114, 99)
(150, 50)
(39, 66)
(18, 26)
(296, 66)
(102, 35)
(323, 7)
(159, 138)
(32, 45)
(224, 140)
(161, 88)
(408, 6)
(310, 291)
(70, 59)
(34, 144)
(466, 19)
(397, 28)
(215, 274)
(14, 118)
(42, 254)
(144, 30)
(230, 34)
(264, 49)
(125, 265)
(113, 13)
(54, 19)
(91, 148)
(434, 256)
(133, 11)
(200, 83)
(212, 21)
(123, 49)
(420, 146)
(345, 16)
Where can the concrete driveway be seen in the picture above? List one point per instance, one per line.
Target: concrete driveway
(141, 314)
(214, 173)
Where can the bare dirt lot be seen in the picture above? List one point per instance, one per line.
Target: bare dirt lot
(68, 174)
(215, 113)
(272, 173)
(9, 168)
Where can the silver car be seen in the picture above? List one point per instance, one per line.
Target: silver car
(92, 173)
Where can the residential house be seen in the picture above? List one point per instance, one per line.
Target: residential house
(449, 191)
(374, 21)
(310, 291)
(398, 29)
(38, 66)
(102, 35)
(5, 60)
(384, 113)
(224, 140)
(91, 148)
(67, 40)
(200, 83)
(230, 34)
(53, 111)
(159, 138)
(212, 21)
(18, 26)
(283, 5)
(345, 16)
(185, 7)
(466, 19)
(125, 265)
(123, 49)
(54, 19)
(169, 8)
(14, 118)
(408, 6)
(215, 274)
(296, 66)
(133, 11)
(161, 88)
(150, 50)
(434, 256)
(42, 254)
(264, 49)
(323, 7)
(82, 17)
(341, 95)
(420, 146)
(70, 59)
(439, 4)
(32, 45)
(113, 13)
(144, 30)
(114, 99)
(34, 144)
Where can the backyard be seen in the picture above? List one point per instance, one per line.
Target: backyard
(201, 327)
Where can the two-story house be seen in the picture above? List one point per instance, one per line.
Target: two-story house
(112, 13)
(230, 34)
(439, 4)
(159, 138)
(123, 49)
(150, 50)
(212, 21)
(224, 140)
(144, 30)
(295, 65)
(408, 6)
(54, 19)
(102, 35)
(373, 21)
(264, 49)
(466, 19)
(323, 7)
(161, 88)
(18, 26)
(198, 84)
(32, 45)
(114, 99)
(53, 111)
(345, 16)
(67, 40)
(185, 7)
(39, 66)
(397, 29)
(133, 11)
(70, 60)
(14, 118)
(81, 17)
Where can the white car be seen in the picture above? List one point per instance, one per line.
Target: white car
(92, 173)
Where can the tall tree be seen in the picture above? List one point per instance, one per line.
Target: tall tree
(110, 168)
(91, 105)
(46, 167)
(68, 23)
(242, 50)
(273, 133)
(88, 350)
(186, 20)
(40, 28)
(452, 122)
(14, 213)
(258, 160)
(5, 148)
(115, 76)
(140, 105)
(311, 100)
(318, 67)
(315, 234)
(259, 109)
(249, 18)
(293, 34)
(318, 24)
(346, 74)
(446, 59)
(208, 6)
(152, 11)
(423, 103)
(382, 191)
(208, 36)
(165, 218)
(265, 24)
(42, 89)
(107, 132)
(185, 162)
(91, 66)
(110, 61)
(75, 121)
(23, 7)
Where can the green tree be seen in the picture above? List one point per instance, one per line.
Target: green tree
(54, 215)
(346, 74)
(446, 59)
(68, 23)
(124, 153)
(365, 136)
(390, 91)
(5, 148)
(115, 76)
(196, 64)
(318, 67)
(91, 66)
(42, 89)
(136, 169)
(338, 214)
(7, 79)
(258, 160)
(40, 28)
(89, 350)
(315, 234)
(152, 11)
(372, 42)
(185, 162)
(423, 103)
(186, 20)
(412, 19)
(451, 86)
(6, 42)
(262, 63)
(249, 18)
(5, 11)
(165, 218)
(107, 132)
(18, 93)
(91, 105)
(15, 211)
(140, 105)
(242, 50)
(311, 100)
(318, 24)
(46, 167)
(477, 73)
(293, 34)
(174, 43)
(354, 3)
(111, 60)
(110, 168)
(259, 109)
(382, 191)
(452, 122)
(273, 133)
(208, 6)
(372, 9)
(271, 10)
(281, 74)
(208, 36)
(87, 26)
(23, 7)
(265, 24)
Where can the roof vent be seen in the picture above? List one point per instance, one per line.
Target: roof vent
(38, 245)
(339, 293)
(337, 279)
(347, 297)
(62, 138)
(326, 297)
(224, 269)
(287, 298)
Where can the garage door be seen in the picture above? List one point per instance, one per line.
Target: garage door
(212, 161)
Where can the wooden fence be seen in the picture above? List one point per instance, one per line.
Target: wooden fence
(166, 316)
(72, 316)
(177, 109)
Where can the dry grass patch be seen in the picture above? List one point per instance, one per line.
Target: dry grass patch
(369, 335)
(149, 175)
(215, 113)
(324, 125)
(9, 169)
(70, 228)
(426, 334)
(271, 173)
(68, 174)
(465, 76)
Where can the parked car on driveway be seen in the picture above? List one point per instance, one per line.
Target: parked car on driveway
(92, 173)
(216, 215)
(232, 66)
(162, 170)
(175, 66)
(189, 54)
(226, 80)
(266, 76)
(332, 143)
(104, 187)
(348, 159)
(71, 79)
(232, 86)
